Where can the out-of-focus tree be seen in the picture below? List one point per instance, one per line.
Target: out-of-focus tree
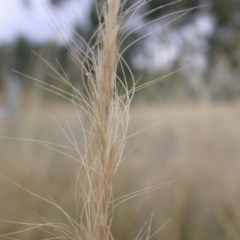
(226, 38)
(220, 48)
(222, 43)
(226, 14)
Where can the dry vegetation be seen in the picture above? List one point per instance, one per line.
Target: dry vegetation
(60, 175)
(197, 146)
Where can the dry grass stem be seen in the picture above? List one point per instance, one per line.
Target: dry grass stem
(106, 104)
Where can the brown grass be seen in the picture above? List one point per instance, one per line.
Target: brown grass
(195, 145)
(95, 154)
(104, 141)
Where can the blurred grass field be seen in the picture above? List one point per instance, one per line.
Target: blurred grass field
(196, 145)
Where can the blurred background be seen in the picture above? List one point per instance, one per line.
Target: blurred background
(193, 47)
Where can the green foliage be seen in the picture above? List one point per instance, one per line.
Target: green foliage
(22, 55)
(175, 7)
(224, 42)
(225, 11)
(57, 2)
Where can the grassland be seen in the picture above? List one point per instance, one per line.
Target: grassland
(196, 145)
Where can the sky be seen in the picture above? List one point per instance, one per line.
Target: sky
(39, 22)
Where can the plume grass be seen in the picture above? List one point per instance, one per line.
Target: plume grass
(106, 104)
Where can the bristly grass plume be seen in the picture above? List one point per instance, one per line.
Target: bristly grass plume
(106, 103)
